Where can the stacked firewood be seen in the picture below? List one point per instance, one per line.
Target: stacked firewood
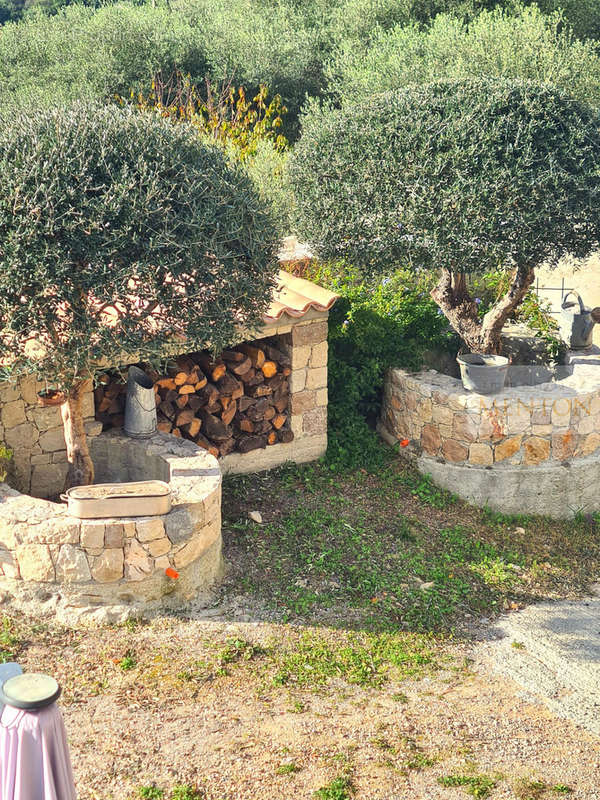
(237, 402)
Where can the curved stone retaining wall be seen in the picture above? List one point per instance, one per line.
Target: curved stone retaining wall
(528, 449)
(108, 567)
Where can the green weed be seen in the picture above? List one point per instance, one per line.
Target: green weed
(340, 788)
(476, 785)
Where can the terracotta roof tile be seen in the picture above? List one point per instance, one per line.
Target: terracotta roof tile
(295, 296)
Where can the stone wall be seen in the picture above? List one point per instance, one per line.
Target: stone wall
(483, 446)
(116, 565)
(35, 435)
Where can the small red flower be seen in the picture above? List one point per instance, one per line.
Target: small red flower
(404, 442)
(171, 573)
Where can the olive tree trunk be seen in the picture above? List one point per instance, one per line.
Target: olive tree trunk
(81, 468)
(480, 335)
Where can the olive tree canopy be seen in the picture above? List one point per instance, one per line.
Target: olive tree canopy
(455, 177)
(120, 232)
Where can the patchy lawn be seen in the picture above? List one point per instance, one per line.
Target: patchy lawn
(339, 660)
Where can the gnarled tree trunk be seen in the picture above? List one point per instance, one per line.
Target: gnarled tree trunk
(480, 336)
(81, 468)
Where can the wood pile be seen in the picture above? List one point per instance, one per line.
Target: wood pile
(237, 402)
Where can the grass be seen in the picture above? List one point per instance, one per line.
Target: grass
(178, 792)
(8, 641)
(475, 785)
(390, 551)
(340, 788)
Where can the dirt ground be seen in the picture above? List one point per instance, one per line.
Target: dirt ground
(230, 734)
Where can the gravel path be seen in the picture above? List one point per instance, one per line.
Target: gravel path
(553, 651)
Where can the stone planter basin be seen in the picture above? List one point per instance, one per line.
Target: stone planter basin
(108, 569)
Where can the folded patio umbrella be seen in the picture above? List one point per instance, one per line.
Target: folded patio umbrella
(34, 755)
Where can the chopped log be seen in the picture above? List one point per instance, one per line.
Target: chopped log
(269, 368)
(226, 401)
(286, 435)
(104, 379)
(165, 383)
(247, 443)
(203, 442)
(244, 424)
(116, 406)
(168, 409)
(113, 390)
(248, 376)
(243, 367)
(279, 421)
(176, 432)
(187, 389)
(184, 417)
(229, 413)
(171, 395)
(228, 384)
(164, 426)
(180, 378)
(256, 380)
(214, 428)
(192, 429)
(213, 369)
(181, 401)
(276, 355)
(262, 427)
(157, 399)
(262, 390)
(233, 355)
(245, 402)
(185, 364)
(257, 412)
(286, 371)
(104, 404)
(227, 447)
(271, 437)
(256, 355)
(281, 403)
(276, 381)
(194, 402)
(269, 413)
(210, 394)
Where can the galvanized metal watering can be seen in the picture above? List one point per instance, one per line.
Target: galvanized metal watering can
(577, 322)
(140, 406)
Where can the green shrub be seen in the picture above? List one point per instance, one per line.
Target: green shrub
(454, 178)
(86, 53)
(374, 325)
(526, 45)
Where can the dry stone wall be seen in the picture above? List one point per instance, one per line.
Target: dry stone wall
(110, 566)
(35, 435)
(524, 425)
(528, 449)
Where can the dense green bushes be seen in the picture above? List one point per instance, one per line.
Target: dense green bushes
(84, 53)
(374, 325)
(526, 46)
(295, 47)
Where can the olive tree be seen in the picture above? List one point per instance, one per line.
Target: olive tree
(456, 177)
(121, 234)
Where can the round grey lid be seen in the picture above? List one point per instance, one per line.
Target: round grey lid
(30, 690)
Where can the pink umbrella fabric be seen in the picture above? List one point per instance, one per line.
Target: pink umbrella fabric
(34, 756)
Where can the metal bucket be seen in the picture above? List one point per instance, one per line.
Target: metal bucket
(482, 374)
(576, 323)
(140, 405)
